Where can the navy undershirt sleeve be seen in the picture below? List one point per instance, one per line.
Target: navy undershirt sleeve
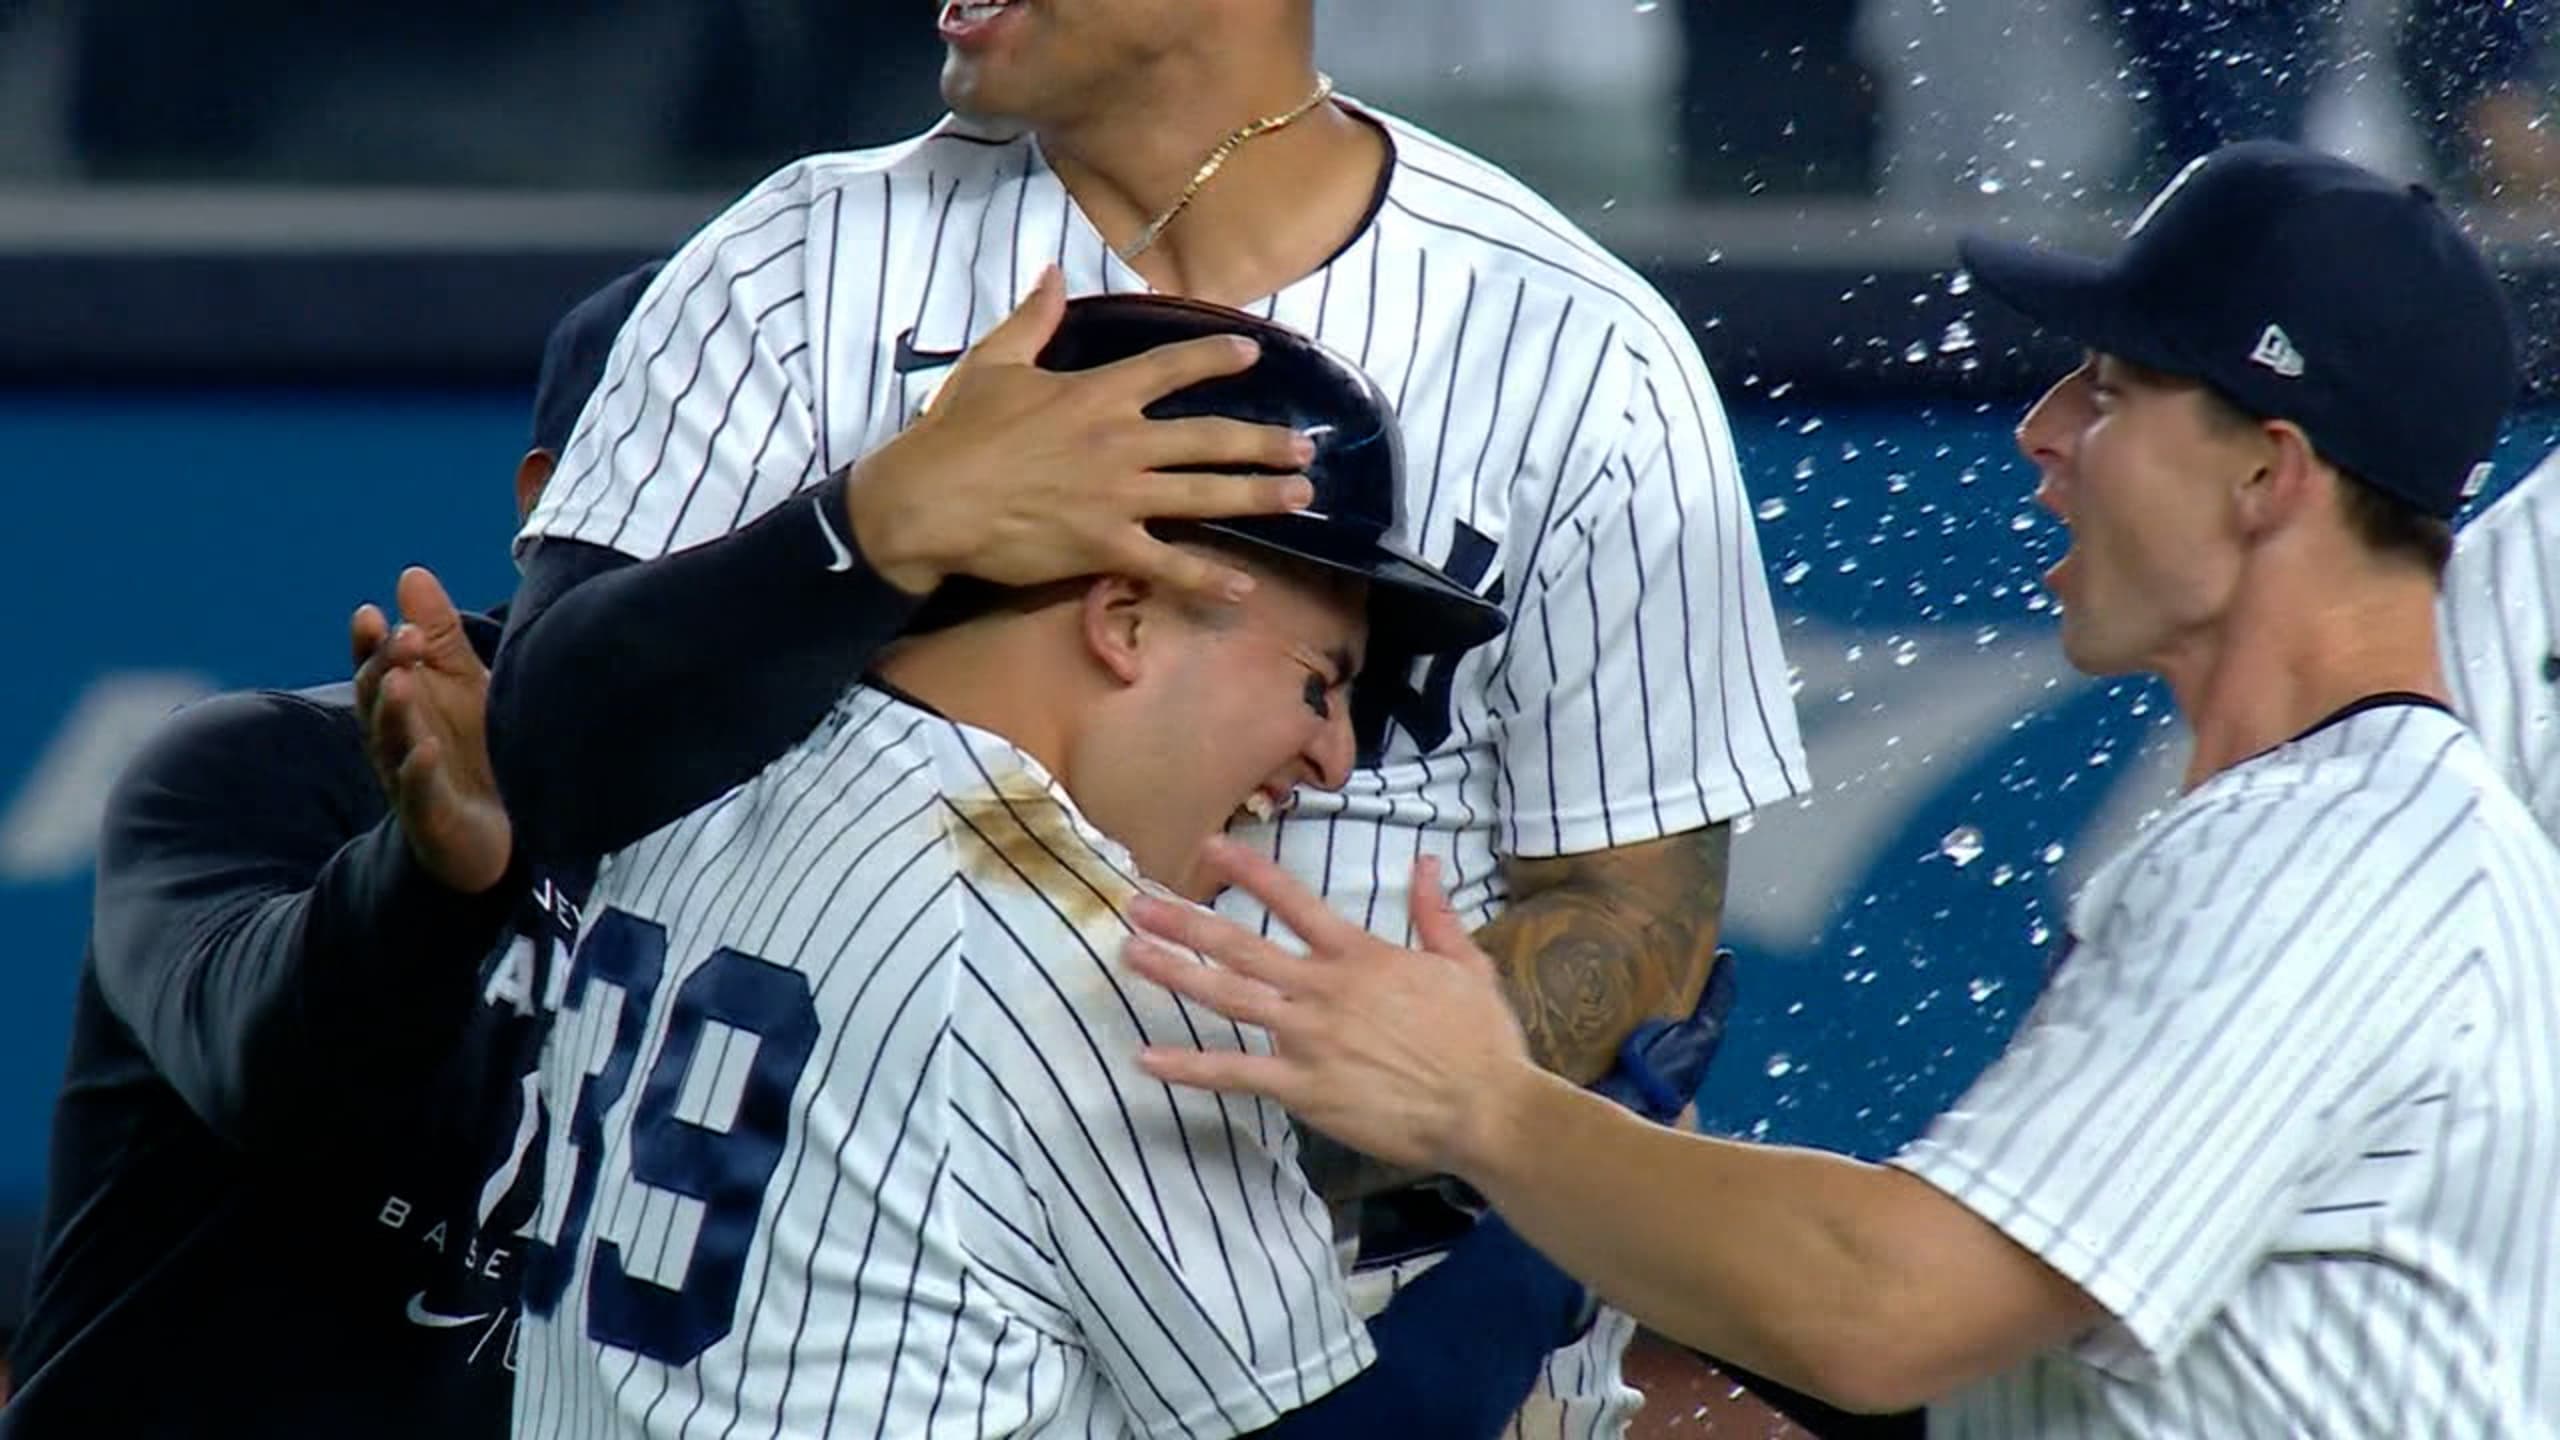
(1458, 1347)
(630, 693)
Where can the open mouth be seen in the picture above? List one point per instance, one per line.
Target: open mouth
(1264, 805)
(968, 20)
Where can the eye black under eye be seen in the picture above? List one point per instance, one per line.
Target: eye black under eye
(1316, 698)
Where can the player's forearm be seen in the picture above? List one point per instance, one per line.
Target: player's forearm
(1593, 945)
(1783, 1261)
(629, 694)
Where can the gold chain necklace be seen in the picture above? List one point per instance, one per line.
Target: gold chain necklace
(1218, 158)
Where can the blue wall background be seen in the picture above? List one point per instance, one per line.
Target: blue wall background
(219, 539)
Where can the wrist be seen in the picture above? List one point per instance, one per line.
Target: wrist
(1495, 1137)
(881, 521)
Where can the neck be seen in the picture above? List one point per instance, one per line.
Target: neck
(2275, 671)
(1280, 207)
(988, 673)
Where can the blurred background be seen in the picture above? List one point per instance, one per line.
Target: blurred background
(274, 275)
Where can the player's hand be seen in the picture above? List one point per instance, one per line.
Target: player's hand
(422, 698)
(1401, 1054)
(1022, 476)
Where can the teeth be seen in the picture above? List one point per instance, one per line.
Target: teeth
(1259, 806)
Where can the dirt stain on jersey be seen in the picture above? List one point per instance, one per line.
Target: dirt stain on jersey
(1016, 835)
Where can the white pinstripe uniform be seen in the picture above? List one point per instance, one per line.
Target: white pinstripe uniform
(2501, 614)
(1565, 450)
(2291, 1110)
(856, 1142)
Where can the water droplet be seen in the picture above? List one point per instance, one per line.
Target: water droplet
(1780, 1066)
(2051, 854)
(1772, 508)
(1794, 574)
(2100, 757)
(1804, 468)
(2022, 522)
(1810, 426)
(1990, 185)
(2002, 876)
(1960, 283)
(1915, 352)
(2039, 933)
(1906, 654)
(1963, 845)
(1981, 988)
(1647, 7)
(1957, 339)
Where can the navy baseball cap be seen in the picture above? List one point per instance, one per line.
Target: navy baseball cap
(573, 358)
(2303, 288)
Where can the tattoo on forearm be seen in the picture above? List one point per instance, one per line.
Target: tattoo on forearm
(1589, 947)
(1592, 945)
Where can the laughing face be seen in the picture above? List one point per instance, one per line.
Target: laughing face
(1053, 61)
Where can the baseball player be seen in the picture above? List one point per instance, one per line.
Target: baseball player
(854, 1136)
(2272, 1156)
(1568, 460)
(288, 1161)
(2502, 636)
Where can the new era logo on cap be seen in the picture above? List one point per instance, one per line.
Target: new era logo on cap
(2275, 351)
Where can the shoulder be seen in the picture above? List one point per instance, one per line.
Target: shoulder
(240, 758)
(1452, 202)
(2504, 548)
(250, 732)
(866, 184)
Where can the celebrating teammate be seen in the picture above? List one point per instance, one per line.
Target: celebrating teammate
(1568, 460)
(2502, 636)
(2272, 1156)
(288, 1162)
(854, 1137)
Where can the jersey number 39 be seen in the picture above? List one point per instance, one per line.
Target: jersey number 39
(726, 1170)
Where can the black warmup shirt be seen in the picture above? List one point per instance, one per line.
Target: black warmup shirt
(292, 1150)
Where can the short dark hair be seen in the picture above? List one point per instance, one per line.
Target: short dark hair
(2387, 524)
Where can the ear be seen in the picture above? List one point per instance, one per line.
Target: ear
(532, 473)
(1118, 621)
(2286, 478)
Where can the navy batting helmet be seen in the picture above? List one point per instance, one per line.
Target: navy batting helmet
(1358, 469)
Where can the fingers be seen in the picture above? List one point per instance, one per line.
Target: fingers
(1216, 442)
(1435, 921)
(1144, 379)
(1019, 340)
(1218, 497)
(366, 629)
(424, 604)
(1238, 997)
(1144, 557)
(1298, 907)
(1231, 945)
(1224, 1070)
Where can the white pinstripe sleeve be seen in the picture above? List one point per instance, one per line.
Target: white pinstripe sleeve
(2245, 990)
(1196, 1260)
(706, 412)
(2501, 625)
(1645, 693)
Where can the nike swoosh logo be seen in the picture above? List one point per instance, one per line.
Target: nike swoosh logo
(844, 557)
(419, 1314)
(909, 359)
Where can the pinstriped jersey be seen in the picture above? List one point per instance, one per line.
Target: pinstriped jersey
(1566, 454)
(855, 1141)
(2291, 1110)
(2501, 630)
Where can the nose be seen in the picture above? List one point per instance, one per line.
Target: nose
(2048, 432)
(1333, 749)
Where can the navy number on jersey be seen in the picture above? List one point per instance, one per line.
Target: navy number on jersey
(727, 1170)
